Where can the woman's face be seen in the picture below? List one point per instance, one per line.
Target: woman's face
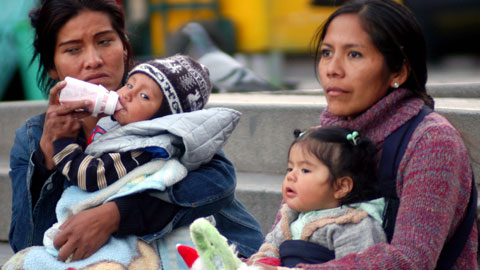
(351, 69)
(88, 48)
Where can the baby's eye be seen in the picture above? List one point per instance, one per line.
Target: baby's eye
(129, 85)
(144, 96)
(305, 170)
(289, 170)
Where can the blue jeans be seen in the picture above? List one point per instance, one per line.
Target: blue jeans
(206, 191)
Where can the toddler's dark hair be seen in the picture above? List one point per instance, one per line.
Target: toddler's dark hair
(344, 158)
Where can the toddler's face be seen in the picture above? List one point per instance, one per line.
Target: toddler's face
(140, 97)
(307, 186)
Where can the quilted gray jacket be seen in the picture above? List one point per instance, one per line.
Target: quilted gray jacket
(193, 137)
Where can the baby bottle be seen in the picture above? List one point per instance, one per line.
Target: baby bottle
(102, 100)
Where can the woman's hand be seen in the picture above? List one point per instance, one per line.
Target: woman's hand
(60, 121)
(86, 232)
(266, 266)
(258, 265)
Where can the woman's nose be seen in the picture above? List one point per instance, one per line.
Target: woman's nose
(335, 67)
(93, 58)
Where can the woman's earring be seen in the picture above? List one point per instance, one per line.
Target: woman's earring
(395, 85)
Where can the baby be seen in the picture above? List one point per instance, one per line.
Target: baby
(154, 89)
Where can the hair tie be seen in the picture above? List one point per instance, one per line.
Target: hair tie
(353, 137)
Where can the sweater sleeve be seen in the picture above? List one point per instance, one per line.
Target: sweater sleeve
(433, 186)
(269, 248)
(93, 173)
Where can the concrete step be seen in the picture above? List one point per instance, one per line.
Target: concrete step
(5, 252)
(5, 200)
(261, 194)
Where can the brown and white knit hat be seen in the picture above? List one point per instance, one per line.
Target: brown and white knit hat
(185, 83)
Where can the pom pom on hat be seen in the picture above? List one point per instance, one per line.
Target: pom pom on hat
(185, 83)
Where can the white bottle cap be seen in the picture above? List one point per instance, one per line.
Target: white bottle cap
(111, 102)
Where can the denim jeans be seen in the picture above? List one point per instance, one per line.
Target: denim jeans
(206, 191)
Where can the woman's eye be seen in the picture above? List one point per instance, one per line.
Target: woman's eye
(105, 41)
(144, 96)
(72, 50)
(355, 54)
(325, 53)
(129, 85)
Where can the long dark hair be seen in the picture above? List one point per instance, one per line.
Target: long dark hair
(395, 32)
(52, 15)
(344, 157)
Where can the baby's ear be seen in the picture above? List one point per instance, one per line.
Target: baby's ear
(343, 186)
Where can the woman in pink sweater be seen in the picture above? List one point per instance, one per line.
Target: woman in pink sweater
(372, 66)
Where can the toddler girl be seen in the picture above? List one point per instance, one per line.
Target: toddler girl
(330, 192)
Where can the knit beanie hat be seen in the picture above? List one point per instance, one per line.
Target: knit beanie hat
(185, 83)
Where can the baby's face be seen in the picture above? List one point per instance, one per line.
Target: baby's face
(140, 97)
(307, 184)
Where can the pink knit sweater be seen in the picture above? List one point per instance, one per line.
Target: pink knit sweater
(433, 185)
